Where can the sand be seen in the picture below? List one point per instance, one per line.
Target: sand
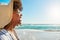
(29, 34)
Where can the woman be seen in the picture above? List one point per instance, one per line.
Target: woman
(8, 33)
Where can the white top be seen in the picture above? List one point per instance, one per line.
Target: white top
(5, 35)
(14, 37)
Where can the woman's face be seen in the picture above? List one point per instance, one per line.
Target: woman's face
(16, 18)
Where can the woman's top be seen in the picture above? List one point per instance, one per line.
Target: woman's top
(7, 35)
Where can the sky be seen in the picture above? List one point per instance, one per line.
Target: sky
(4, 2)
(40, 11)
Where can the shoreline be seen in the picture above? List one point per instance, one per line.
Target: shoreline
(39, 30)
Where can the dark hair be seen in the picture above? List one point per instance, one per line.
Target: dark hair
(17, 5)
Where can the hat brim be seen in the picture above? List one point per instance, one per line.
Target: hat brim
(5, 14)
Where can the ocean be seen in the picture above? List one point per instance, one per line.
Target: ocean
(37, 32)
(39, 26)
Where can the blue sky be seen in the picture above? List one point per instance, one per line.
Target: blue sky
(40, 11)
(4, 2)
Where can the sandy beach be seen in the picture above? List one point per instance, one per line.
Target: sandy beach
(30, 34)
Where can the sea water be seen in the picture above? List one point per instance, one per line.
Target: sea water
(39, 26)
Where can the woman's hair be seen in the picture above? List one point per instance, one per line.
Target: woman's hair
(17, 5)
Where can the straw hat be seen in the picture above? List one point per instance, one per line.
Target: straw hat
(6, 14)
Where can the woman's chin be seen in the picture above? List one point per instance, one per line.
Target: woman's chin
(18, 24)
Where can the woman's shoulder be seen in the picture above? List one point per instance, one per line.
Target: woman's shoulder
(3, 32)
(1, 35)
(4, 35)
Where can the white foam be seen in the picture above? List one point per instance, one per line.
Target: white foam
(38, 30)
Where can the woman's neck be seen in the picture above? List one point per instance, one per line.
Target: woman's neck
(9, 27)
